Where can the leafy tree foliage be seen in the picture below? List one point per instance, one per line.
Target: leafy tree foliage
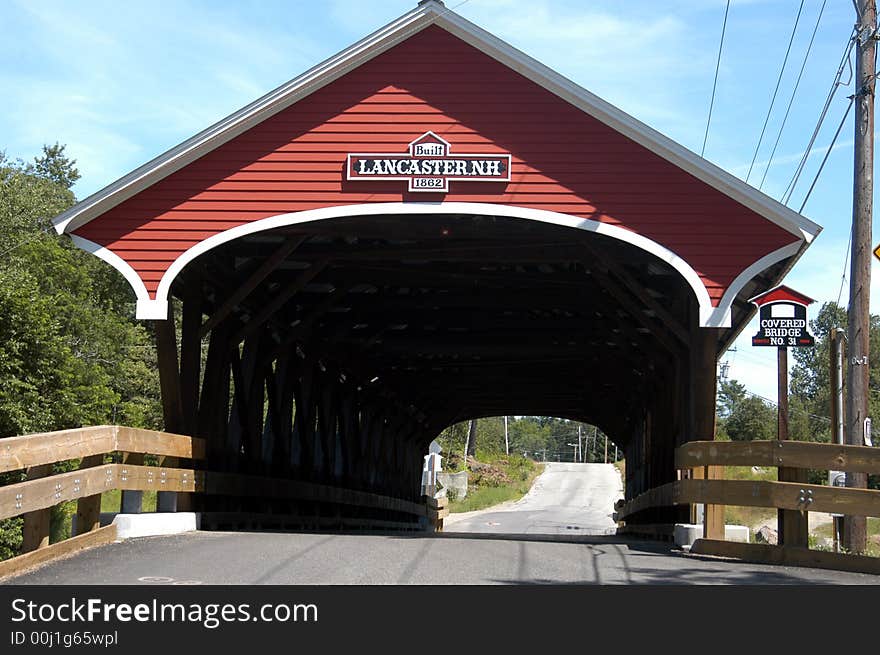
(71, 353)
(810, 376)
(537, 437)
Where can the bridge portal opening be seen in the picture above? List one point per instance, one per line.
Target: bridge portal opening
(336, 350)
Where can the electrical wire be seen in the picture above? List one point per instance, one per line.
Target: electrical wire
(793, 94)
(827, 152)
(715, 82)
(776, 90)
(845, 266)
(791, 409)
(30, 239)
(786, 195)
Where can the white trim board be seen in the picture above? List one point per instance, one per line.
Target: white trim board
(431, 12)
(710, 316)
(146, 307)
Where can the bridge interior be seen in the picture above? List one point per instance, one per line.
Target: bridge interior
(334, 351)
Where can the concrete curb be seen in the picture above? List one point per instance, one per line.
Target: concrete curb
(685, 534)
(155, 524)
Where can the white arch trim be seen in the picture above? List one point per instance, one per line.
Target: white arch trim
(146, 306)
(709, 316)
(721, 314)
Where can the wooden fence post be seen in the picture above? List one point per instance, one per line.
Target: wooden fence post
(88, 509)
(132, 501)
(713, 517)
(35, 531)
(703, 387)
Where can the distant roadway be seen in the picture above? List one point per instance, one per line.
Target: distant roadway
(567, 499)
(559, 533)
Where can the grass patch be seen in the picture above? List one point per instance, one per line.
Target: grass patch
(495, 479)
(111, 501)
(824, 532)
(748, 516)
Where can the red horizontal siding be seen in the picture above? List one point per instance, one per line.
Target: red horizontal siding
(562, 160)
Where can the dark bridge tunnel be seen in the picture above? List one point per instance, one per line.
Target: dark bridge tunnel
(334, 351)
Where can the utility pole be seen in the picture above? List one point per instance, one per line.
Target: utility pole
(858, 315)
(606, 448)
(595, 436)
(506, 440)
(580, 451)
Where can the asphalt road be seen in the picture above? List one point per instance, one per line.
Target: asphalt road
(272, 558)
(546, 551)
(565, 499)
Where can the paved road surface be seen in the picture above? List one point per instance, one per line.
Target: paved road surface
(565, 499)
(271, 558)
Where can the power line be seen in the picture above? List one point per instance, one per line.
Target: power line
(845, 265)
(827, 152)
(776, 90)
(793, 94)
(715, 82)
(30, 239)
(786, 195)
(791, 409)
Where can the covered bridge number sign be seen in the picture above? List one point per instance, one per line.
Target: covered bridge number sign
(783, 319)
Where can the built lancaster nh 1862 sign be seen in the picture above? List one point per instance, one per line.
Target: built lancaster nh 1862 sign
(429, 166)
(783, 319)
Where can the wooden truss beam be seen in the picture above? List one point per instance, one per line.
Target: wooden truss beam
(252, 282)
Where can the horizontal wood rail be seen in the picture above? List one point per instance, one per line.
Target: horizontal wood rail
(18, 453)
(97, 537)
(782, 495)
(747, 493)
(793, 454)
(31, 495)
(703, 462)
(767, 554)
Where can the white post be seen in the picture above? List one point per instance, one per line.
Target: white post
(506, 441)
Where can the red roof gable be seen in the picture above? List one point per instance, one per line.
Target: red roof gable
(781, 293)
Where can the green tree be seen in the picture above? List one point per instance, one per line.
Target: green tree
(71, 353)
(730, 393)
(749, 418)
(810, 376)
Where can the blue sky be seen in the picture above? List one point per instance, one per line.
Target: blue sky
(121, 82)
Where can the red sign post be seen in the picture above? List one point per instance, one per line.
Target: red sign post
(783, 324)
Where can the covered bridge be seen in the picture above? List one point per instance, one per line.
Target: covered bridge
(429, 227)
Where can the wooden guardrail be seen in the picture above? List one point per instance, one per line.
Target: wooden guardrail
(33, 497)
(18, 453)
(794, 454)
(709, 457)
(782, 495)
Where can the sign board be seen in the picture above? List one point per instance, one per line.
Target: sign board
(877, 251)
(783, 319)
(428, 165)
(836, 479)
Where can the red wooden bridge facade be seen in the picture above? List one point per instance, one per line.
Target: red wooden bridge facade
(350, 313)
